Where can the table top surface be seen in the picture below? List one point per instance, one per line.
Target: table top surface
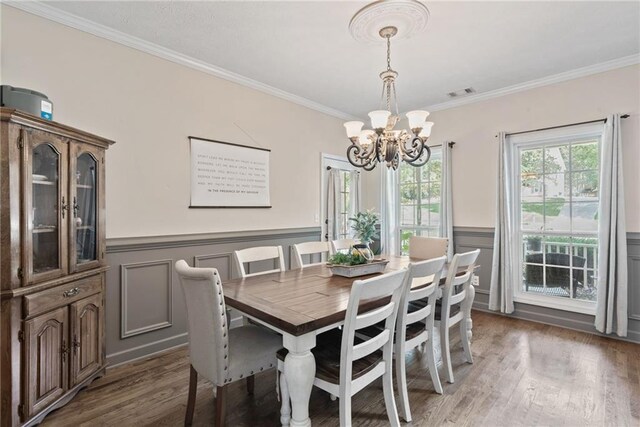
(299, 301)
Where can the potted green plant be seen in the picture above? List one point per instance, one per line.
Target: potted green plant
(364, 226)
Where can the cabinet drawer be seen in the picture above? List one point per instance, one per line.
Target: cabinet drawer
(61, 295)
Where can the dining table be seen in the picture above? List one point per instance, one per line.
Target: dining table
(300, 304)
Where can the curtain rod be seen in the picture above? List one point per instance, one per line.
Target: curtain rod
(343, 170)
(624, 116)
(451, 144)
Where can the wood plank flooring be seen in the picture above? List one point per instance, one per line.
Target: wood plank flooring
(525, 374)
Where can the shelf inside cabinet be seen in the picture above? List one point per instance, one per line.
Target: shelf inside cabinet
(44, 182)
(84, 227)
(37, 230)
(84, 186)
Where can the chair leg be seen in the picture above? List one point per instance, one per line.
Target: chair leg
(389, 399)
(431, 363)
(251, 382)
(401, 381)
(191, 402)
(465, 333)
(446, 353)
(285, 409)
(345, 410)
(220, 405)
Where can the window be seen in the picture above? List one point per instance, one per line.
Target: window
(345, 210)
(420, 195)
(556, 215)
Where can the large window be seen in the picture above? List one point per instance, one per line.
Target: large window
(556, 194)
(420, 197)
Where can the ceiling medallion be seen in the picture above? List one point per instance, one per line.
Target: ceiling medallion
(410, 17)
(383, 143)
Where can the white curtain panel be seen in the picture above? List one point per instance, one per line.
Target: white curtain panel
(446, 199)
(389, 210)
(333, 204)
(611, 308)
(354, 192)
(504, 272)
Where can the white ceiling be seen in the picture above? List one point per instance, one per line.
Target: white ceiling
(304, 47)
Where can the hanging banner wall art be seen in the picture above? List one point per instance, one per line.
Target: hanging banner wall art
(225, 175)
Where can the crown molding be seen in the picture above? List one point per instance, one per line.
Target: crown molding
(545, 81)
(43, 10)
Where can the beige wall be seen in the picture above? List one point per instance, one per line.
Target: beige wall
(473, 127)
(149, 106)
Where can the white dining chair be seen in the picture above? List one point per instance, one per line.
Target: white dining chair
(345, 364)
(219, 354)
(415, 328)
(342, 245)
(427, 247)
(457, 297)
(308, 248)
(261, 253)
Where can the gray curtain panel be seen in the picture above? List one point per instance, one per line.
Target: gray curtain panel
(611, 308)
(354, 192)
(446, 199)
(503, 268)
(389, 211)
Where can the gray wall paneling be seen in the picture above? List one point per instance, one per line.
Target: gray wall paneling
(145, 310)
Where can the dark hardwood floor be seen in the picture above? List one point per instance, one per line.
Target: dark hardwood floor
(525, 374)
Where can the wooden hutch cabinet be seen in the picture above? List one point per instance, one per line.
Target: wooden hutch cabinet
(52, 264)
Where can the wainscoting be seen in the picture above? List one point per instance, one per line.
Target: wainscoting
(469, 238)
(145, 310)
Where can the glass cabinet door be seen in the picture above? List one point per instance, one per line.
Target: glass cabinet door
(47, 204)
(84, 208)
(85, 185)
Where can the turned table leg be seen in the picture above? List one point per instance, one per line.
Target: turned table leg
(299, 372)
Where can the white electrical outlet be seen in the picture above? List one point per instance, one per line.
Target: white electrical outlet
(316, 218)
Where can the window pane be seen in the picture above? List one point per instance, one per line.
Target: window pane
(435, 169)
(556, 159)
(408, 214)
(407, 174)
(557, 214)
(405, 235)
(531, 161)
(532, 216)
(434, 219)
(408, 193)
(585, 156)
(532, 244)
(585, 216)
(585, 185)
(532, 187)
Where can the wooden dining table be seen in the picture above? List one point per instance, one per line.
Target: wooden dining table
(300, 304)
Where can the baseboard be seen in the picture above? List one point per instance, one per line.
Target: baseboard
(146, 350)
(560, 322)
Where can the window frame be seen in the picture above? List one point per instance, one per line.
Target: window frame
(541, 139)
(400, 227)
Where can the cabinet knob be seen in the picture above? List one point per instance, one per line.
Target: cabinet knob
(71, 292)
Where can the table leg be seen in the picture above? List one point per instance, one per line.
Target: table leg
(299, 372)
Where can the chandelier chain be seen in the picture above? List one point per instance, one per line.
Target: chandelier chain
(388, 53)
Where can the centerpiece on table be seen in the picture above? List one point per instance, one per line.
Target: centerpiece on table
(359, 260)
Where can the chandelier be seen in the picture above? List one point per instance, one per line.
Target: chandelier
(384, 143)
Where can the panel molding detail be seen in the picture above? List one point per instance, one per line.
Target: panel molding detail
(125, 331)
(634, 287)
